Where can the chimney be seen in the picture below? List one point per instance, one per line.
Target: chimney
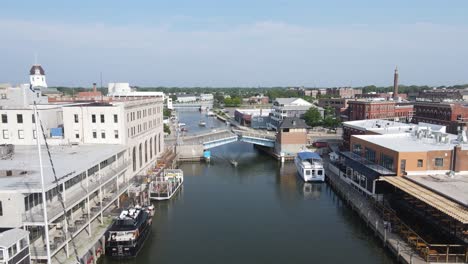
(395, 83)
(94, 88)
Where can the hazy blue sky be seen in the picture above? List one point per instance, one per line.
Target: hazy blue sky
(236, 43)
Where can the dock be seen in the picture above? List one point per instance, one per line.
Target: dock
(365, 208)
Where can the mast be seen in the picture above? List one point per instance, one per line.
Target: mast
(41, 169)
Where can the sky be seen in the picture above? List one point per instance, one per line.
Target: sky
(236, 43)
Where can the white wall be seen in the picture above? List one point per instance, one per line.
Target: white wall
(13, 207)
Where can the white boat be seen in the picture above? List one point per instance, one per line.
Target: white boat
(202, 123)
(164, 187)
(210, 113)
(310, 166)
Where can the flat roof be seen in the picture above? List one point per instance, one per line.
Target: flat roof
(11, 236)
(454, 188)
(69, 161)
(455, 210)
(410, 143)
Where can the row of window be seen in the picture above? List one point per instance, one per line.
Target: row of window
(103, 134)
(93, 118)
(142, 113)
(141, 128)
(19, 118)
(6, 134)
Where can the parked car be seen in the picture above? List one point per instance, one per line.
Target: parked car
(320, 144)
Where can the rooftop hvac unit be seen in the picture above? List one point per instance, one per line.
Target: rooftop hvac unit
(6, 151)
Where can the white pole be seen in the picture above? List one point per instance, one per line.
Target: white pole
(44, 205)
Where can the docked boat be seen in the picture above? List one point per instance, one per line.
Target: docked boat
(164, 187)
(210, 113)
(202, 123)
(128, 233)
(310, 166)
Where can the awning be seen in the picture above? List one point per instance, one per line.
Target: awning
(455, 210)
(308, 155)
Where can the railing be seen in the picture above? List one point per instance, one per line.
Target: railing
(430, 252)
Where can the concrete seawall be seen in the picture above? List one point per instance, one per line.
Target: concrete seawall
(364, 208)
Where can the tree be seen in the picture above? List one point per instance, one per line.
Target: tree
(167, 112)
(330, 119)
(167, 129)
(313, 117)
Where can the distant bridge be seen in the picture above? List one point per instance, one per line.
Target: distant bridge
(222, 137)
(193, 105)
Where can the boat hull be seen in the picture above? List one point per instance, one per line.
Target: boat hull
(169, 196)
(313, 175)
(122, 251)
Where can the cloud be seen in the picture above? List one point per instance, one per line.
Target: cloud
(264, 53)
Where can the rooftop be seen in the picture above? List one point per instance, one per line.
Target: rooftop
(454, 188)
(293, 122)
(10, 237)
(408, 142)
(69, 161)
(381, 126)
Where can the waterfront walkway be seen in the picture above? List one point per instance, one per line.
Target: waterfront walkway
(365, 208)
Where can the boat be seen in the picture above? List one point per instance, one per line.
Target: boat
(165, 186)
(202, 123)
(128, 232)
(233, 163)
(210, 113)
(310, 166)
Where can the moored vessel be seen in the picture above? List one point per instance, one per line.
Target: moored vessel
(128, 232)
(310, 166)
(164, 187)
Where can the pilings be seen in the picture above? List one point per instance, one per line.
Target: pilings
(365, 209)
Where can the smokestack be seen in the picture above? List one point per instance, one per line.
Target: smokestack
(395, 84)
(94, 88)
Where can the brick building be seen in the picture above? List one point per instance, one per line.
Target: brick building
(339, 104)
(439, 95)
(292, 136)
(344, 92)
(379, 109)
(452, 115)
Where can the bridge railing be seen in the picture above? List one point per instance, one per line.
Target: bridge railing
(253, 134)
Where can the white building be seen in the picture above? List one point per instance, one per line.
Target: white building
(124, 90)
(14, 246)
(186, 98)
(97, 150)
(37, 76)
(289, 107)
(206, 97)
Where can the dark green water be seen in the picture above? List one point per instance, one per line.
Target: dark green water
(258, 212)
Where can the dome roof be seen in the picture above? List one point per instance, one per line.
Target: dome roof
(35, 67)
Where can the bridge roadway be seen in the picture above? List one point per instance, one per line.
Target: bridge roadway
(217, 138)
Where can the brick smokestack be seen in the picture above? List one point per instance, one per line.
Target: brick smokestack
(94, 88)
(395, 83)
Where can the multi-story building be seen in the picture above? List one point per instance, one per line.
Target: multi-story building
(379, 109)
(340, 105)
(289, 107)
(344, 92)
(206, 97)
(186, 98)
(440, 95)
(452, 115)
(14, 246)
(96, 151)
(259, 99)
(371, 127)
(255, 118)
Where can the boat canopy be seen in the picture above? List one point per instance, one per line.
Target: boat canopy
(308, 155)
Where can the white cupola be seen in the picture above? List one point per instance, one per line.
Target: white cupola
(37, 76)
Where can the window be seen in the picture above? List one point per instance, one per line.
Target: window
(77, 134)
(357, 149)
(103, 134)
(93, 118)
(116, 119)
(4, 118)
(94, 134)
(21, 134)
(102, 118)
(19, 118)
(420, 163)
(33, 118)
(439, 162)
(1, 209)
(386, 161)
(370, 154)
(402, 166)
(76, 118)
(116, 134)
(34, 134)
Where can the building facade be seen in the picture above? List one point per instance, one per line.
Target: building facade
(289, 107)
(344, 92)
(379, 109)
(14, 247)
(452, 115)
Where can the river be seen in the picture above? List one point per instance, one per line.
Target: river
(258, 212)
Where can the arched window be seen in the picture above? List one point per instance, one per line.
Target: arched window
(159, 143)
(141, 156)
(146, 151)
(155, 147)
(151, 148)
(134, 158)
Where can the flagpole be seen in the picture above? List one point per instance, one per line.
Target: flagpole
(41, 169)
